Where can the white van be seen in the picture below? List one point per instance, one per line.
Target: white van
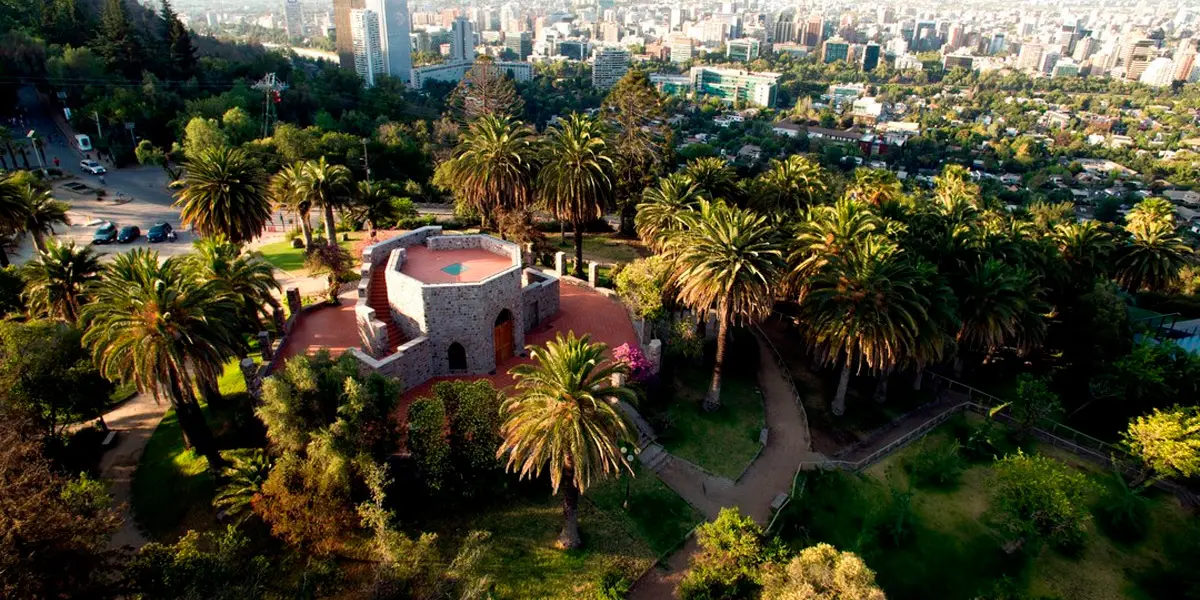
(83, 142)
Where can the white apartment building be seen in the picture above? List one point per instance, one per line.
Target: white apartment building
(609, 65)
(368, 48)
(395, 37)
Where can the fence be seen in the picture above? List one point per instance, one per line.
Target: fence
(787, 376)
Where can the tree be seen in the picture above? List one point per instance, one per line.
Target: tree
(827, 233)
(485, 90)
(790, 185)
(149, 154)
(245, 277)
(1167, 442)
(1085, 248)
(213, 564)
(1040, 499)
(997, 303)
(726, 566)
(118, 41)
(728, 259)
(634, 111)
(664, 209)
(334, 262)
(1034, 402)
(58, 280)
(224, 192)
(576, 181)
(821, 572)
(642, 285)
(1152, 258)
(13, 208)
(327, 186)
(494, 167)
(714, 178)
(42, 212)
(427, 440)
(565, 419)
(243, 481)
(876, 187)
(373, 204)
(156, 326)
(180, 52)
(202, 135)
(56, 530)
(284, 192)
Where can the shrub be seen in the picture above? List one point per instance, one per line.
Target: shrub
(821, 572)
(936, 464)
(612, 586)
(427, 440)
(896, 521)
(640, 368)
(1122, 512)
(1040, 499)
(683, 341)
(726, 566)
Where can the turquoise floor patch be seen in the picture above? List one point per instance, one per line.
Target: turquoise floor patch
(454, 269)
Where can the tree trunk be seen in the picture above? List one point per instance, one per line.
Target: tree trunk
(306, 229)
(39, 240)
(562, 233)
(579, 250)
(918, 378)
(569, 538)
(330, 228)
(3, 256)
(712, 400)
(958, 366)
(839, 400)
(196, 433)
(628, 212)
(881, 388)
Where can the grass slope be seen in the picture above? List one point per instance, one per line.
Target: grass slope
(725, 440)
(286, 258)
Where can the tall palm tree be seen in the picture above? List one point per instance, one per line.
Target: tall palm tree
(373, 204)
(790, 185)
(494, 167)
(13, 208)
(1085, 248)
(663, 209)
(877, 187)
(327, 186)
(42, 213)
(157, 326)
(1151, 210)
(284, 191)
(1152, 257)
(577, 178)
(999, 306)
(827, 232)
(714, 178)
(728, 259)
(58, 279)
(224, 191)
(864, 310)
(246, 277)
(566, 419)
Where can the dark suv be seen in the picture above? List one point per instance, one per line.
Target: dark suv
(160, 232)
(128, 234)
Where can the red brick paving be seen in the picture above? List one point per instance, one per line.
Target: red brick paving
(331, 327)
(426, 265)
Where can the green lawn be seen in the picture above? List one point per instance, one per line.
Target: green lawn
(284, 257)
(600, 247)
(656, 514)
(952, 552)
(725, 440)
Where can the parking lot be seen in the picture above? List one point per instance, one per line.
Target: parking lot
(87, 214)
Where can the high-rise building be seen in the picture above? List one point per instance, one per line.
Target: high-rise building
(785, 29)
(997, 44)
(368, 47)
(682, 47)
(462, 41)
(610, 32)
(394, 35)
(742, 50)
(676, 18)
(870, 57)
(1085, 48)
(421, 41)
(341, 24)
(1160, 72)
(609, 65)
(520, 43)
(925, 37)
(1136, 56)
(835, 49)
(1048, 60)
(886, 15)
(955, 37)
(735, 85)
(1030, 57)
(814, 31)
(960, 60)
(293, 15)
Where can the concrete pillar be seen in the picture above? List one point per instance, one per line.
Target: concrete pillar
(379, 339)
(560, 263)
(593, 274)
(250, 376)
(654, 355)
(293, 301)
(264, 346)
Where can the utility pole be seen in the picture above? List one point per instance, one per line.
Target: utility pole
(271, 88)
(96, 115)
(366, 160)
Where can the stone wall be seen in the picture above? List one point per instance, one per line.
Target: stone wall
(540, 293)
(483, 242)
(380, 253)
(466, 314)
(408, 293)
(372, 333)
(411, 364)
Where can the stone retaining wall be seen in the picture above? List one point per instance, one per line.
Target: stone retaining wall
(540, 297)
(411, 364)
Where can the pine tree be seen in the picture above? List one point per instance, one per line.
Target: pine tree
(635, 115)
(118, 41)
(180, 52)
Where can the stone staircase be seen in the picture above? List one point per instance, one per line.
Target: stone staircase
(654, 457)
(378, 300)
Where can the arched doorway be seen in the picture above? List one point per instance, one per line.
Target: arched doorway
(457, 356)
(502, 336)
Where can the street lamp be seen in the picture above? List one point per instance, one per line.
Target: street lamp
(629, 452)
(35, 141)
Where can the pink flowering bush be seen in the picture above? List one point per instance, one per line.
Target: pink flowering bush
(640, 368)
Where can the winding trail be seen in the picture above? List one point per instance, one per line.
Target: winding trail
(134, 421)
(788, 444)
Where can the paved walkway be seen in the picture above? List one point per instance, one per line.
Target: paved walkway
(788, 443)
(134, 421)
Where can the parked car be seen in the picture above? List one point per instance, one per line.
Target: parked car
(83, 142)
(128, 234)
(93, 167)
(106, 234)
(160, 232)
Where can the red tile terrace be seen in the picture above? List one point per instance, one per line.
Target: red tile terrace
(468, 265)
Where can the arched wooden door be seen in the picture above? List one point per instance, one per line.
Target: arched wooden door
(503, 337)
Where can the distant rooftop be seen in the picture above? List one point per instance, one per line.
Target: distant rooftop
(467, 265)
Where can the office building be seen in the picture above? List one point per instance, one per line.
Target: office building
(395, 36)
(835, 49)
(368, 48)
(925, 37)
(682, 47)
(462, 41)
(421, 42)
(1136, 56)
(1159, 72)
(958, 60)
(736, 86)
(814, 31)
(743, 50)
(785, 29)
(996, 46)
(908, 62)
(870, 57)
(572, 49)
(1047, 62)
(676, 18)
(1030, 57)
(344, 42)
(520, 44)
(293, 16)
(1065, 67)
(609, 65)
(1085, 49)
(454, 72)
(672, 85)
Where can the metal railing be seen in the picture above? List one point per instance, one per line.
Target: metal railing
(787, 376)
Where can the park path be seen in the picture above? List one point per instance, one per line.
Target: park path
(134, 421)
(771, 474)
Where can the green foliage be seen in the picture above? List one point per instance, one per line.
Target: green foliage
(641, 285)
(1038, 499)
(937, 464)
(1034, 402)
(683, 341)
(248, 470)
(427, 440)
(726, 566)
(820, 572)
(11, 287)
(1167, 442)
(474, 409)
(219, 565)
(612, 586)
(1122, 512)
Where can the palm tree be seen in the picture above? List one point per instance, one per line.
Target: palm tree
(373, 204)
(790, 185)
(713, 177)
(1152, 258)
(157, 326)
(244, 479)
(246, 277)
(284, 191)
(729, 260)
(13, 208)
(42, 213)
(577, 178)
(494, 167)
(58, 279)
(566, 419)
(826, 233)
(998, 306)
(1151, 210)
(1085, 248)
(877, 187)
(664, 207)
(864, 309)
(327, 186)
(224, 191)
